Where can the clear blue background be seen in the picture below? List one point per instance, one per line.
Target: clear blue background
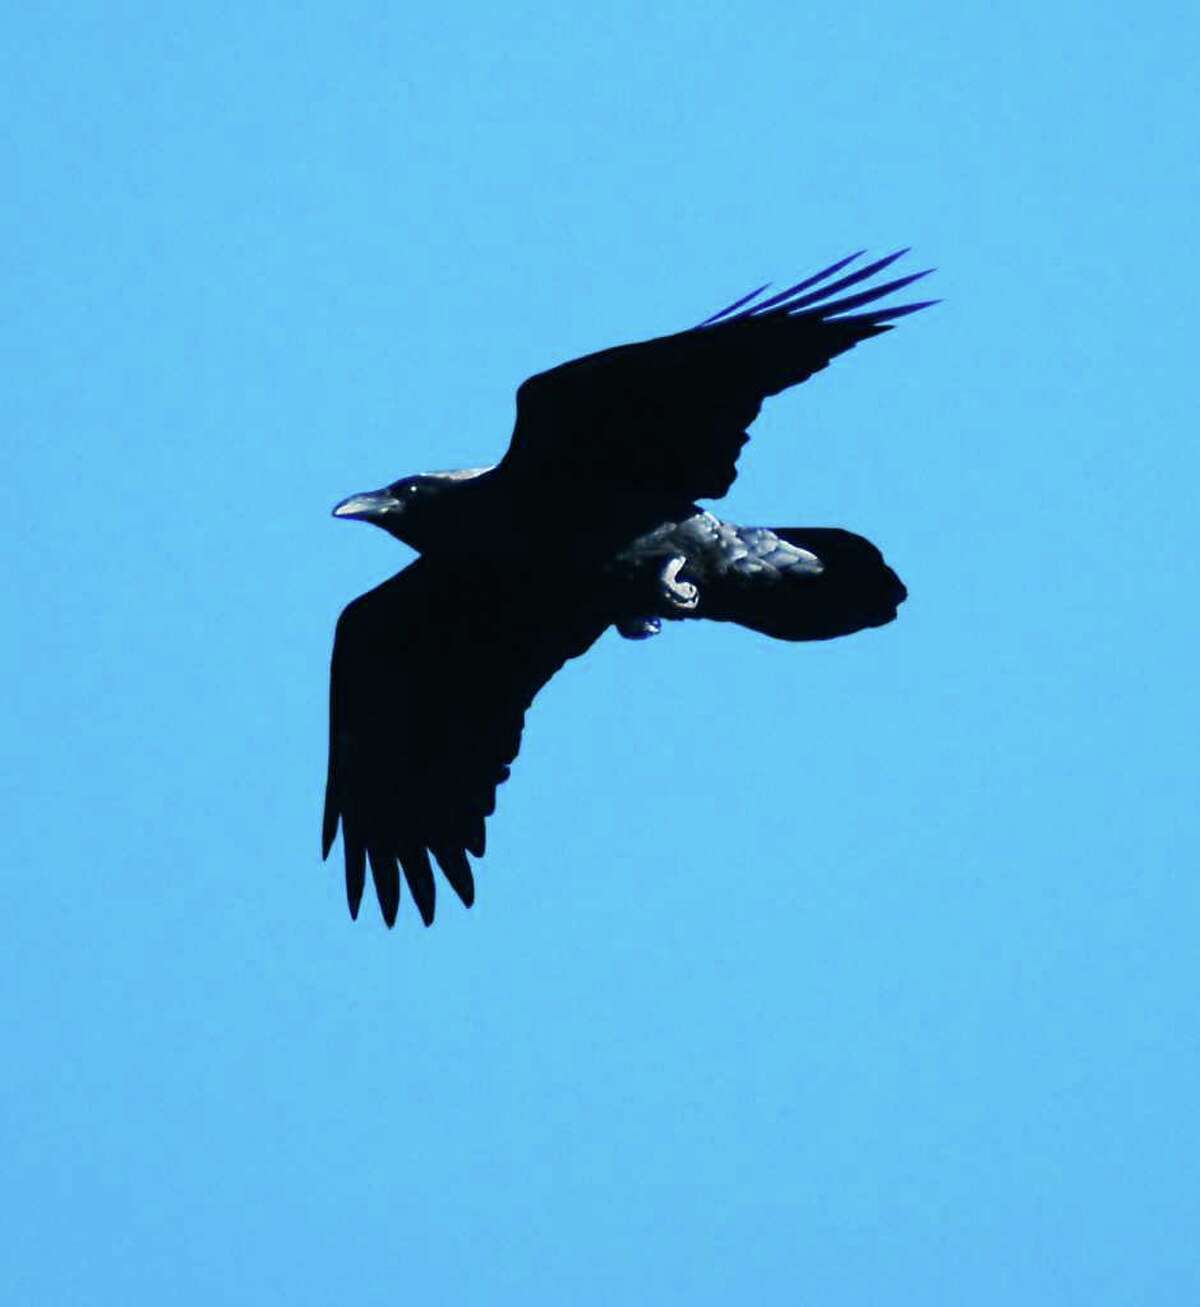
(848, 974)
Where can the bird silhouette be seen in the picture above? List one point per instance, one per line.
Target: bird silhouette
(589, 520)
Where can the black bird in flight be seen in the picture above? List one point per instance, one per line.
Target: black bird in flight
(588, 521)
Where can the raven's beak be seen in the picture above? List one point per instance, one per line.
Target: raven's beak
(368, 507)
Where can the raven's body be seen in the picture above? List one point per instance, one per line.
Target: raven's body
(589, 521)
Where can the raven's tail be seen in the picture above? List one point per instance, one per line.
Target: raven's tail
(855, 589)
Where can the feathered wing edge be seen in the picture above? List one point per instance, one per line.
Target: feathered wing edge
(412, 789)
(793, 302)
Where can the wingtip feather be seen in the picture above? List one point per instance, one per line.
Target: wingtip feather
(329, 824)
(386, 875)
(475, 835)
(737, 304)
(356, 874)
(457, 870)
(887, 315)
(419, 875)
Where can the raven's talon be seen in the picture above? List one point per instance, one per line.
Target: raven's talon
(679, 594)
(639, 628)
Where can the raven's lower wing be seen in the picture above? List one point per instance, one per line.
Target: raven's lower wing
(432, 673)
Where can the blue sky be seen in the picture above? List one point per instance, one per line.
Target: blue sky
(855, 973)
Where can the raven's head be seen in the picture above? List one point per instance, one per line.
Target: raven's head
(413, 509)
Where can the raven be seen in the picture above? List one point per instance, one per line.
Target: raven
(588, 521)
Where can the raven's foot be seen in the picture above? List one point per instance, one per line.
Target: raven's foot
(679, 594)
(639, 628)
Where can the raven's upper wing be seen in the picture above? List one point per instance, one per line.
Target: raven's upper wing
(432, 673)
(668, 417)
